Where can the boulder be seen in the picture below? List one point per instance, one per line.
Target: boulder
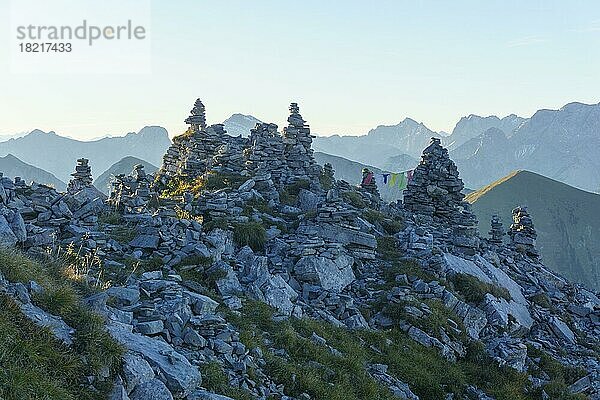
(331, 274)
(151, 390)
(136, 370)
(181, 377)
(7, 236)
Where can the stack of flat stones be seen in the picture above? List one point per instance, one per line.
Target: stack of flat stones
(329, 173)
(369, 185)
(298, 148)
(265, 159)
(132, 193)
(229, 157)
(82, 177)
(435, 195)
(197, 118)
(191, 153)
(497, 231)
(522, 232)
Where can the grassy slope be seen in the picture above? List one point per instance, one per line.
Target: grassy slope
(34, 364)
(567, 220)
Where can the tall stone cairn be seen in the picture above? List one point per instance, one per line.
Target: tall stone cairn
(298, 151)
(197, 119)
(435, 194)
(522, 232)
(497, 230)
(82, 177)
(370, 186)
(265, 159)
(191, 153)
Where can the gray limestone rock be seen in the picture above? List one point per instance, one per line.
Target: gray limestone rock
(181, 377)
(7, 236)
(331, 274)
(136, 371)
(56, 325)
(151, 390)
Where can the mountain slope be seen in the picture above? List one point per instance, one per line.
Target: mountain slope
(566, 219)
(61, 153)
(11, 167)
(123, 166)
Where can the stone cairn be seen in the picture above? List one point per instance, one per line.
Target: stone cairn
(298, 148)
(367, 183)
(497, 230)
(132, 193)
(329, 175)
(191, 153)
(82, 177)
(522, 232)
(265, 159)
(435, 194)
(197, 119)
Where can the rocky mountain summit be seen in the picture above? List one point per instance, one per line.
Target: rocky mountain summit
(243, 269)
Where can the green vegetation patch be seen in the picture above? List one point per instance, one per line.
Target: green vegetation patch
(53, 369)
(178, 185)
(215, 380)
(390, 225)
(473, 290)
(307, 367)
(355, 199)
(251, 234)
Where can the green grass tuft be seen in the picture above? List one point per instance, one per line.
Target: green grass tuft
(473, 290)
(251, 234)
(355, 199)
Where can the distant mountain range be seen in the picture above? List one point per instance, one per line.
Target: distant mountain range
(380, 145)
(123, 166)
(567, 221)
(561, 144)
(57, 154)
(12, 167)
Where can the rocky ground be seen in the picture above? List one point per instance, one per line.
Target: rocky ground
(244, 270)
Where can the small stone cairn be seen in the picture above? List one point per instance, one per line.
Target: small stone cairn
(368, 183)
(522, 232)
(191, 153)
(197, 119)
(132, 193)
(82, 177)
(329, 175)
(497, 231)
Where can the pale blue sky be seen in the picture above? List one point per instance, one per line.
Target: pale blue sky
(351, 65)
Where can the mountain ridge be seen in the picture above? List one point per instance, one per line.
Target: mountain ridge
(565, 218)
